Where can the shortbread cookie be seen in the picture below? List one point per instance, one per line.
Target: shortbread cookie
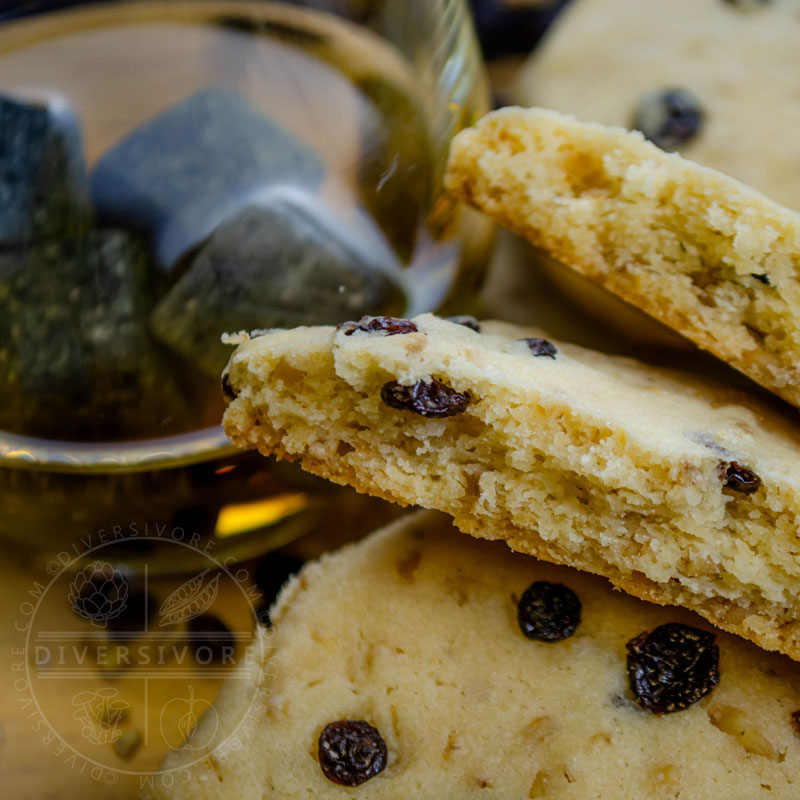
(609, 60)
(414, 638)
(697, 250)
(676, 491)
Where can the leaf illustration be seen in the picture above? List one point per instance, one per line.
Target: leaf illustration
(189, 600)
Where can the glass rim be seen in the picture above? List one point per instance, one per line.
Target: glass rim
(48, 455)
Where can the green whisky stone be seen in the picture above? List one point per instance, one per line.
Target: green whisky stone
(76, 357)
(43, 186)
(273, 266)
(180, 174)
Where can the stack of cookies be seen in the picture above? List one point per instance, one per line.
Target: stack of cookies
(422, 662)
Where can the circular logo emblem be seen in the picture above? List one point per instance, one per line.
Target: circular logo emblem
(117, 669)
(98, 593)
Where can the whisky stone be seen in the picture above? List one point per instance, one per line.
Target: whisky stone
(273, 266)
(178, 175)
(76, 357)
(395, 163)
(43, 187)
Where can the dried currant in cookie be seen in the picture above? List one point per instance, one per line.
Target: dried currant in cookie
(548, 612)
(672, 667)
(391, 326)
(795, 718)
(428, 398)
(540, 347)
(739, 479)
(669, 118)
(227, 389)
(351, 752)
(467, 321)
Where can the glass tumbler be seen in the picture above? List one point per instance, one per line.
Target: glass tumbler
(174, 170)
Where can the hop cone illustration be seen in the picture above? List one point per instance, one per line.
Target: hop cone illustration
(98, 593)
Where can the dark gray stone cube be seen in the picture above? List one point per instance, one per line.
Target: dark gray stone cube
(76, 357)
(177, 176)
(280, 265)
(43, 187)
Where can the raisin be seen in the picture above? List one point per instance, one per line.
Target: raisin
(428, 398)
(761, 276)
(227, 388)
(391, 326)
(669, 118)
(548, 612)
(795, 718)
(351, 752)
(467, 321)
(672, 667)
(739, 478)
(540, 347)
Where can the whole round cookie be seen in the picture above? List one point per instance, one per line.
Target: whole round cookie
(714, 79)
(399, 669)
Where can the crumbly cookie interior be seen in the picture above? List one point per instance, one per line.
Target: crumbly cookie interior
(584, 459)
(699, 251)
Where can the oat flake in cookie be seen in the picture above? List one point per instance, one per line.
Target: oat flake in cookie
(680, 491)
(430, 657)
